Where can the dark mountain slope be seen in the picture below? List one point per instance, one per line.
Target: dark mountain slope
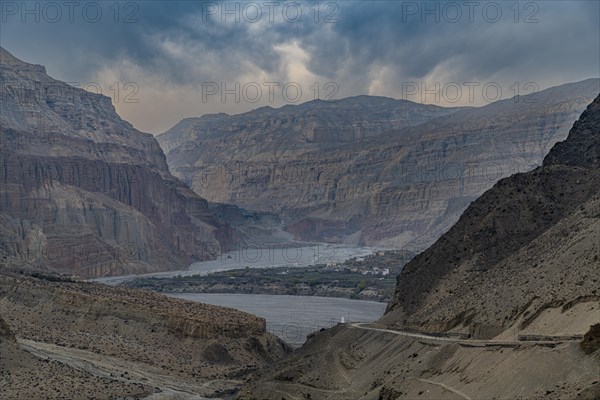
(531, 241)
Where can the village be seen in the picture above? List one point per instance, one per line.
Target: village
(366, 278)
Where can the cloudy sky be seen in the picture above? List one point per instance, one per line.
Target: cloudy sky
(164, 61)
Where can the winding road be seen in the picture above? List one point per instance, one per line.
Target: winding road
(475, 342)
(112, 367)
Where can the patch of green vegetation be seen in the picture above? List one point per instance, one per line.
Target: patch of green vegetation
(356, 278)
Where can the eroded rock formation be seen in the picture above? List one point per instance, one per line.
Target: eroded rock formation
(85, 193)
(369, 170)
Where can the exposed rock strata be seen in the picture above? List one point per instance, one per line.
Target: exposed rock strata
(369, 170)
(84, 192)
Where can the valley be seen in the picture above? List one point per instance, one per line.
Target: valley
(521, 298)
(358, 247)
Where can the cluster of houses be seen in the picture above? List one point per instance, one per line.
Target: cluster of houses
(363, 269)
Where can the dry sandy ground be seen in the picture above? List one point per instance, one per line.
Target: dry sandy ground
(556, 321)
(349, 363)
(138, 340)
(171, 387)
(25, 376)
(36, 370)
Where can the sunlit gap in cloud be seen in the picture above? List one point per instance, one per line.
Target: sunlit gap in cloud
(179, 62)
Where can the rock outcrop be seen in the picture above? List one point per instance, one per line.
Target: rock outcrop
(369, 170)
(591, 340)
(83, 192)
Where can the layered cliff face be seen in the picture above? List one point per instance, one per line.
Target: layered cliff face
(529, 245)
(313, 125)
(83, 192)
(295, 161)
(369, 170)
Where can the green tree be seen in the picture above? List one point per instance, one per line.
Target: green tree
(362, 285)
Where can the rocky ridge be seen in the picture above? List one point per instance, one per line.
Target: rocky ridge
(531, 242)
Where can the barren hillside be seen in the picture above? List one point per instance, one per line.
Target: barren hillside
(138, 339)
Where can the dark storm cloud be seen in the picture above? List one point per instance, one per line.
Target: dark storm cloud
(91, 44)
(383, 32)
(373, 47)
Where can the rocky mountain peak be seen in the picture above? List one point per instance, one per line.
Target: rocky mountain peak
(6, 58)
(35, 102)
(582, 146)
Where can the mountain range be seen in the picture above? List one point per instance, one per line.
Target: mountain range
(504, 303)
(369, 170)
(84, 192)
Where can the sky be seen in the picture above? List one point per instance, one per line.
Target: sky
(162, 61)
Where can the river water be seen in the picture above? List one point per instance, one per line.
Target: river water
(289, 256)
(292, 318)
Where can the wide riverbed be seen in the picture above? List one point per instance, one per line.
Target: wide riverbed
(292, 318)
(289, 256)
